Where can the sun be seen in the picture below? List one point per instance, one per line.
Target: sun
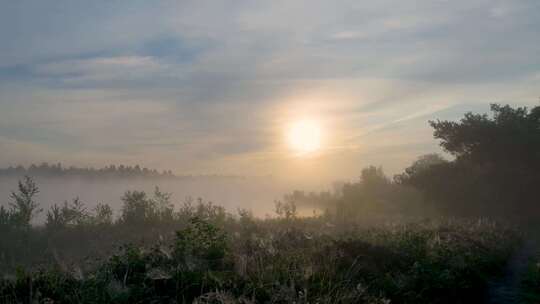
(304, 136)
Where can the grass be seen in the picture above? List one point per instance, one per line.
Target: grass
(531, 282)
(286, 260)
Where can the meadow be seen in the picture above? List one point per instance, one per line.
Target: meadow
(201, 253)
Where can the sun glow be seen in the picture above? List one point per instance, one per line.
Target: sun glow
(304, 136)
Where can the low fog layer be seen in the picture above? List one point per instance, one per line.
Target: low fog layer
(254, 193)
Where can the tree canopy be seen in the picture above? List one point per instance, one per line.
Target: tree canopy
(495, 170)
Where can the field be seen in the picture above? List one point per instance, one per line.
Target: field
(206, 256)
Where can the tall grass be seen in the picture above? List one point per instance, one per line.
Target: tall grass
(283, 260)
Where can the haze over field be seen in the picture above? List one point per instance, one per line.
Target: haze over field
(253, 193)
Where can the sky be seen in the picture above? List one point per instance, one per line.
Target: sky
(213, 86)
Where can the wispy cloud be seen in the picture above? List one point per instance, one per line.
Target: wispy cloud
(198, 83)
(101, 69)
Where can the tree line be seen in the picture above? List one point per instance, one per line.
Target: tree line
(112, 171)
(58, 170)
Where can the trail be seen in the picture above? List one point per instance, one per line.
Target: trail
(506, 289)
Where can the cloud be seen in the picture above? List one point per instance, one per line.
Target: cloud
(99, 65)
(101, 69)
(200, 82)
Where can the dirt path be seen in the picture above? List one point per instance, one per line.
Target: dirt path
(505, 290)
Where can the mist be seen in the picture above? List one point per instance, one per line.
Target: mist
(256, 194)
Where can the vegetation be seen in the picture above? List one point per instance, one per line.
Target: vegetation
(47, 170)
(531, 282)
(215, 257)
(57, 170)
(492, 173)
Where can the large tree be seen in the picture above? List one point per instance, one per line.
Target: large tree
(510, 136)
(496, 165)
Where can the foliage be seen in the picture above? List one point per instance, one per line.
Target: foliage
(492, 173)
(286, 210)
(103, 215)
(481, 138)
(164, 206)
(72, 214)
(137, 208)
(214, 256)
(306, 261)
(23, 206)
(530, 284)
(200, 245)
(57, 170)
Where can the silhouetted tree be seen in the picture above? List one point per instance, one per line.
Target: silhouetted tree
(5, 219)
(511, 137)
(47, 170)
(23, 206)
(137, 208)
(495, 171)
(70, 214)
(163, 205)
(103, 214)
(422, 165)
